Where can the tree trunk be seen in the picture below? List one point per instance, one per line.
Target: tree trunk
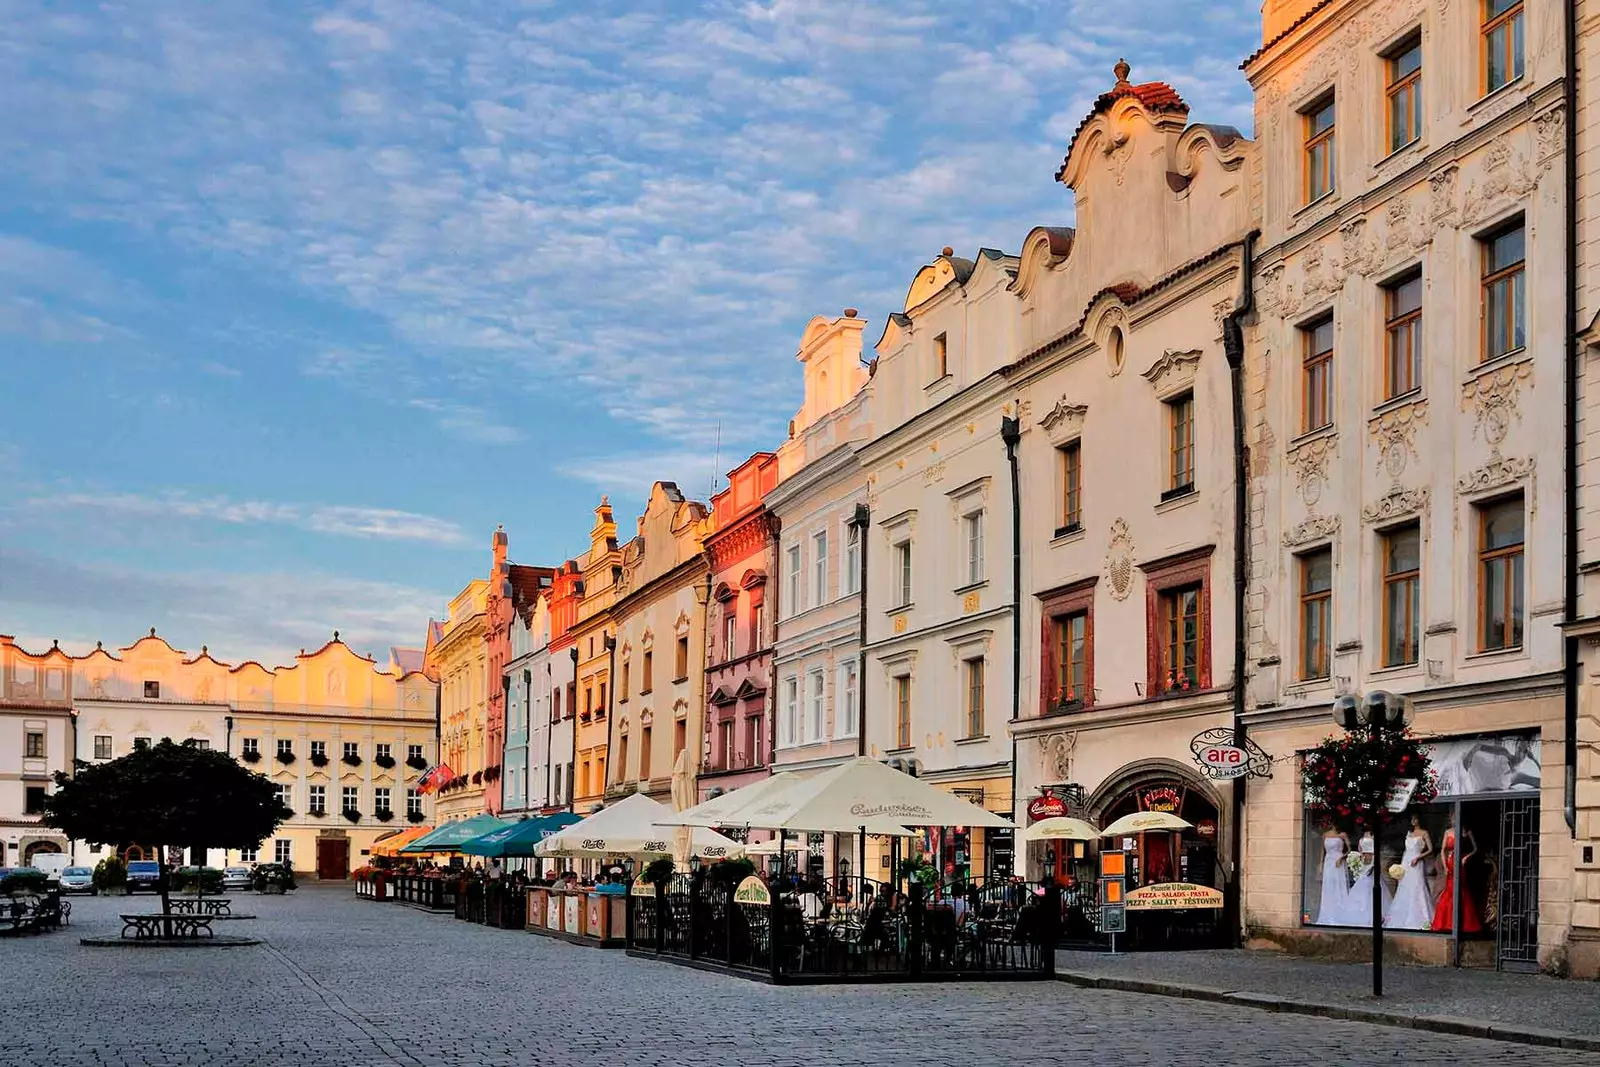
(164, 888)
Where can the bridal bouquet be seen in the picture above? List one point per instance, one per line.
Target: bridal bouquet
(1397, 872)
(1356, 865)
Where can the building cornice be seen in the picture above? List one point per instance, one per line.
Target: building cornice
(1546, 685)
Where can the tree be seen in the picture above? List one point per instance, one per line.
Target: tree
(162, 795)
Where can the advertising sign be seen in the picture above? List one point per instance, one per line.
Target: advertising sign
(1113, 919)
(1400, 795)
(1046, 808)
(1223, 761)
(1170, 896)
(1112, 890)
(752, 891)
(1113, 864)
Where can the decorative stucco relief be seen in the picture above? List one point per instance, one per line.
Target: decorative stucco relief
(1549, 135)
(1064, 421)
(1309, 461)
(1055, 756)
(1173, 372)
(1442, 194)
(1506, 177)
(1314, 528)
(1395, 504)
(1494, 398)
(1395, 432)
(1497, 473)
(1120, 561)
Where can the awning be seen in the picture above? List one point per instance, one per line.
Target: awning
(632, 827)
(449, 837)
(862, 792)
(519, 838)
(734, 809)
(392, 844)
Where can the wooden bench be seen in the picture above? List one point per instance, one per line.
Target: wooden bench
(156, 925)
(33, 914)
(201, 906)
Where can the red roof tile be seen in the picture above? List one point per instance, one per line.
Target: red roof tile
(1155, 96)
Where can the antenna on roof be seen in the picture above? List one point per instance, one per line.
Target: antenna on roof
(716, 458)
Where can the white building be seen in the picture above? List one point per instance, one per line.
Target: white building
(36, 741)
(532, 732)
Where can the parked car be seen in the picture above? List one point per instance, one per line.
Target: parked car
(236, 878)
(143, 874)
(52, 864)
(78, 880)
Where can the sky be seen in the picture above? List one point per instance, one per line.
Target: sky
(299, 301)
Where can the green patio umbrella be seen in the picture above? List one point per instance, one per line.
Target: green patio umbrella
(519, 838)
(449, 837)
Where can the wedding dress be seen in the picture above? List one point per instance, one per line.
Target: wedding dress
(1361, 891)
(1413, 906)
(1334, 908)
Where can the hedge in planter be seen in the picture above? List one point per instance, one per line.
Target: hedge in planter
(110, 875)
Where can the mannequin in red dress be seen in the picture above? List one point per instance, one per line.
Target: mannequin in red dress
(1442, 911)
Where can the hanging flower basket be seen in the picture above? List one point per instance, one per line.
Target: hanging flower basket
(1348, 776)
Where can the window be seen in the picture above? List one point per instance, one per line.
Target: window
(974, 698)
(649, 673)
(600, 703)
(1405, 93)
(347, 798)
(317, 800)
(680, 737)
(248, 855)
(1180, 426)
(1402, 572)
(1500, 544)
(1402, 370)
(852, 559)
(622, 690)
(1316, 375)
(285, 795)
(1502, 43)
(753, 735)
(1503, 292)
(757, 621)
(572, 699)
(557, 798)
(140, 743)
(793, 591)
(281, 852)
(1070, 462)
(285, 747)
(197, 742)
(645, 746)
(413, 753)
(1319, 161)
(849, 702)
(730, 632)
(588, 702)
(682, 662)
(102, 745)
(352, 748)
(319, 751)
(1316, 612)
(33, 800)
(974, 539)
(380, 800)
(819, 567)
(383, 752)
(814, 719)
(622, 754)
(1180, 638)
(725, 736)
(941, 356)
(1072, 658)
(788, 725)
(414, 798)
(152, 690)
(902, 711)
(33, 742)
(902, 554)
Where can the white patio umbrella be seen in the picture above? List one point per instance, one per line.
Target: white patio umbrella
(862, 792)
(1140, 821)
(632, 827)
(718, 811)
(1060, 828)
(770, 848)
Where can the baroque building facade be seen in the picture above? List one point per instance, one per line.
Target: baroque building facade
(592, 653)
(457, 654)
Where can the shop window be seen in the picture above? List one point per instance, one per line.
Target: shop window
(1502, 43)
(1402, 369)
(1316, 613)
(1316, 375)
(1404, 92)
(1178, 618)
(1503, 256)
(1500, 547)
(1402, 590)
(1067, 645)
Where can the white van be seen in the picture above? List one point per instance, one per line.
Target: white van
(52, 864)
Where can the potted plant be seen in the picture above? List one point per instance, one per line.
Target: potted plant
(415, 816)
(317, 813)
(111, 877)
(352, 815)
(350, 759)
(251, 756)
(286, 757)
(386, 762)
(383, 814)
(23, 880)
(657, 872)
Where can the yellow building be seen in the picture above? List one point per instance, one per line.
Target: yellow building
(457, 656)
(590, 659)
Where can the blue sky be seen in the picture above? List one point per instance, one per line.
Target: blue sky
(298, 301)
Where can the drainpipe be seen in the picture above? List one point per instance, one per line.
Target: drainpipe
(1233, 348)
(1569, 661)
(1011, 434)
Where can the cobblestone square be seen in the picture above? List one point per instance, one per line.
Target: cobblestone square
(346, 981)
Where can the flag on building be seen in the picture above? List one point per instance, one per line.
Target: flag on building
(433, 778)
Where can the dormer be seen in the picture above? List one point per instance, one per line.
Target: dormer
(830, 352)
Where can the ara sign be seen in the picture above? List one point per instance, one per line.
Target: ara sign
(1223, 761)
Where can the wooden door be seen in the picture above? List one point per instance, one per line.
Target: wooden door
(333, 858)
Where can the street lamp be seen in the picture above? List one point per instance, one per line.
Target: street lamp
(1374, 712)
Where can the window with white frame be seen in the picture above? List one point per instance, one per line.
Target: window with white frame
(413, 753)
(414, 798)
(380, 799)
(849, 703)
(788, 725)
(248, 855)
(814, 711)
(852, 558)
(730, 631)
(902, 574)
(383, 752)
(347, 799)
(819, 567)
(317, 801)
(792, 590)
(973, 529)
(286, 795)
(281, 852)
(285, 747)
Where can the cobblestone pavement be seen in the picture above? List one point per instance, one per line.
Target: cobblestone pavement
(1524, 1001)
(342, 981)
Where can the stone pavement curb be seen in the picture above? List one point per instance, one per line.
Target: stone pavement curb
(1377, 1017)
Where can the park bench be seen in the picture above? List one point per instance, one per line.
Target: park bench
(201, 906)
(33, 914)
(155, 925)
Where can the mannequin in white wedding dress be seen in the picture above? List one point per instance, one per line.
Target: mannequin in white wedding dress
(1413, 904)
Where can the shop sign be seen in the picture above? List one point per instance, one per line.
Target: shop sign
(1163, 798)
(1400, 794)
(1046, 808)
(753, 891)
(1206, 828)
(641, 888)
(1223, 754)
(1223, 761)
(1171, 896)
(1113, 919)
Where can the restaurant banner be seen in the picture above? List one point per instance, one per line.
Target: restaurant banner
(753, 891)
(1170, 896)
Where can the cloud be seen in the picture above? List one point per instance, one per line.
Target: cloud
(261, 616)
(633, 473)
(384, 524)
(468, 423)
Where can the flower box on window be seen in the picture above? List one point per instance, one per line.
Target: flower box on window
(286, 758)
(250, 757)
(386, 762)
(416, 763)
(352, 815)
(318, 759)
(352, 760)
(382, 815)
(317, 812)
(415, 816)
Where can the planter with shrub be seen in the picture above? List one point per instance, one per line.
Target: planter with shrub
(415, 816)
(416, 763)
(111, 877)
(319, 759)
(386, 762)
(352, 815)
(383, 814)
(250, 757)
(285, 758)
(351, 760)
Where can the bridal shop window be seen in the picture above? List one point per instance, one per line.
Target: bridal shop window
(1466, 865)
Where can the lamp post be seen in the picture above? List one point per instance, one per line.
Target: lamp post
(1374, 712)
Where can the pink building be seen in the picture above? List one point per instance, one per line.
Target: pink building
(741, 550)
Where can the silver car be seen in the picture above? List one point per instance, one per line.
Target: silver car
(77, 880)
(236, 878)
